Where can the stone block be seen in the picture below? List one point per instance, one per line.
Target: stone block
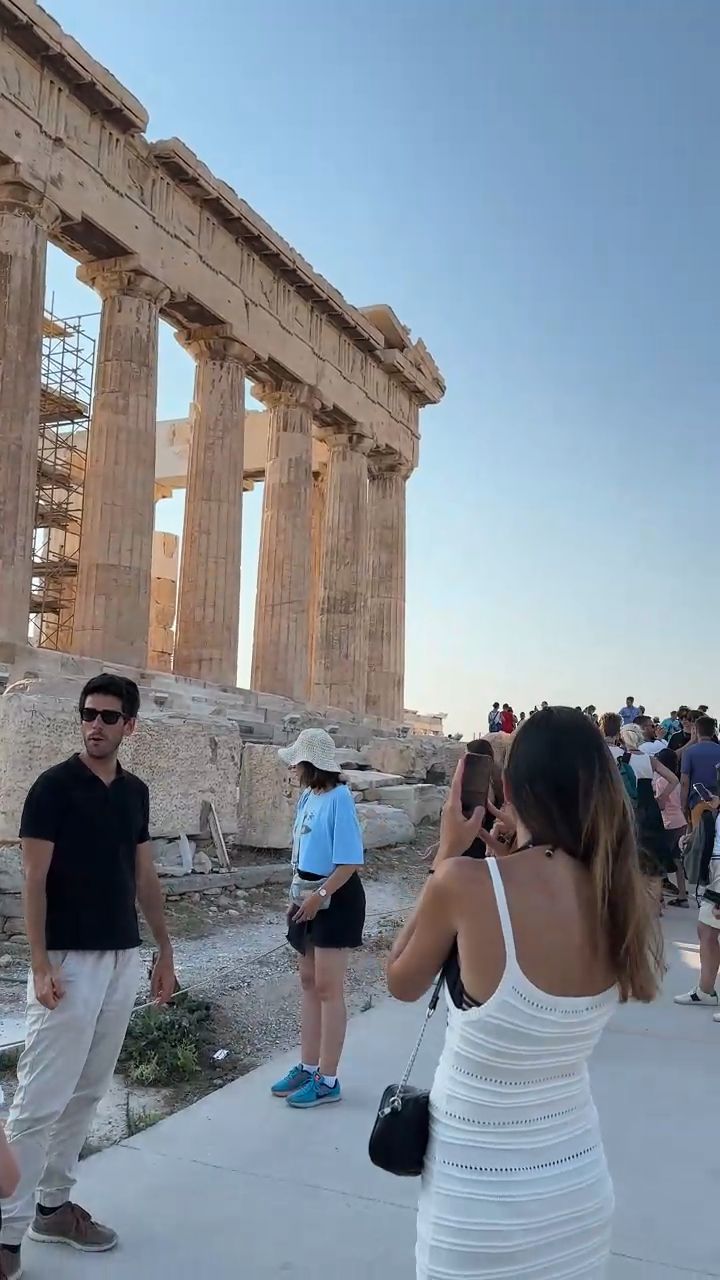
(11, 904)
(267, 799)
(277, 705)
(196, 884)
(163, 617)
(350, 758)
(239, 880)
(370, 779)
(415, 758)
(159, 661)
(164, 592)
(14, 927)
(173, 857)
(270, 873)
(421, 801)
(184, 761)
(246, 716)
(337, 715)
(11, 877)
(383, 826)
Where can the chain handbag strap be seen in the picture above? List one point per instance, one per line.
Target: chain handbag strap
(395, 1103)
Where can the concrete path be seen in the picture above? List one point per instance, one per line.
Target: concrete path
(240, 1186)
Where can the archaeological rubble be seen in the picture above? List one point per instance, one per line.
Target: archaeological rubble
(83, 574)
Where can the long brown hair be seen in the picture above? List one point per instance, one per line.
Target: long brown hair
(567, 790)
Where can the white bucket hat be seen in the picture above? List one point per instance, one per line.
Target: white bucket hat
(313, 746)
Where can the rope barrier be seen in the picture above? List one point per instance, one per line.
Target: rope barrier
(230, 969)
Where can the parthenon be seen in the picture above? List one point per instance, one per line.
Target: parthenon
(156, 235)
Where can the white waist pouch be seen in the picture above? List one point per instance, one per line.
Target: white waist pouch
(301, 890)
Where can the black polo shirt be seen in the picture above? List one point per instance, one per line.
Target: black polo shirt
(95, 830)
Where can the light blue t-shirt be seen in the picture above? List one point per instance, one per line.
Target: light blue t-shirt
(326, 832)
(629, 715)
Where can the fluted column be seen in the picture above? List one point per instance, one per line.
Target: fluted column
(386, 599)
(25, 219)
(341, 650)
(113, 589)
(281, 650)
(317, 525)
(208, 615)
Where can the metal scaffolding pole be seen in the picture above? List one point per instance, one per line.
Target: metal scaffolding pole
(68, 362)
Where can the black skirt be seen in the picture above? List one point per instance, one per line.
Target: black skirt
(339, 926)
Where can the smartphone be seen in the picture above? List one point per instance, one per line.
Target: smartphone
(477, 773)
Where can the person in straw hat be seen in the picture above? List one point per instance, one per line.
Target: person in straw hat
(326, 915)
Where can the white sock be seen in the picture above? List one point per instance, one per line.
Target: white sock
(312, 1070)
(330, 1081)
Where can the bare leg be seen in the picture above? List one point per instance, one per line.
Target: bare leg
(330, 969)
(309, 1010)
(709, 957)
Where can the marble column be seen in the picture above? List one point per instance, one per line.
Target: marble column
(341, 646)
(281, 650)
(208, 614)
(112, 608)
(386, 597)
(25, 219)
(317, 524)
(163, 600)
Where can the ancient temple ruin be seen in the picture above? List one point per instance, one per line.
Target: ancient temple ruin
(156, 234)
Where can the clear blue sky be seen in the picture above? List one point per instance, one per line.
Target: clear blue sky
(533, 186)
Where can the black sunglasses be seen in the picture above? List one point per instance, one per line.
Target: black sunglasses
(89, 715)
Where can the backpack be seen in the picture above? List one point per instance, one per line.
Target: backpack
(699, 849)
(629, 781)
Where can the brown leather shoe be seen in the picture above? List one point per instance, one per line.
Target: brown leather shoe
(10, 1265)
(73, 1226)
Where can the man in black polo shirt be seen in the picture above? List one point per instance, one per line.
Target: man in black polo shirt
(87, 858)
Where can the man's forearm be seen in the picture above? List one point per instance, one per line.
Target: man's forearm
(152, 905)
(684, 792)
(35, 907)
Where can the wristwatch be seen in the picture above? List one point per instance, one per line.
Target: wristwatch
(322, 893)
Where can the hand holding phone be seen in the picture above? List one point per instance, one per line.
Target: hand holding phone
(458, 830)
(476, 778)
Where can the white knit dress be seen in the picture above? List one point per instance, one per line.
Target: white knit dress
(516, 1186)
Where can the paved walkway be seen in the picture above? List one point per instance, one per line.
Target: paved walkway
(240, 1186)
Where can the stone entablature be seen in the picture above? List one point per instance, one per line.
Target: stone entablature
(76, 135)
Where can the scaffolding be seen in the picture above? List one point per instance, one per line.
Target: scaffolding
(68, 361)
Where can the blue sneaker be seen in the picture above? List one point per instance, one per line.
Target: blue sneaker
(295, 1079)
(315, 1093)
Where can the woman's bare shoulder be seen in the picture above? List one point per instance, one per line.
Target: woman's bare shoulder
(462, 876)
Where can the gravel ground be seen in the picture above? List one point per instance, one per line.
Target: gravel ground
(221, 945)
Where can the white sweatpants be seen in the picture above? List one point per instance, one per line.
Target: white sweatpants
(65, 1069)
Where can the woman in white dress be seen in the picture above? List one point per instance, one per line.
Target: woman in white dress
(548, 939)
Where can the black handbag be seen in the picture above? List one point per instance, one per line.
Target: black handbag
(400, 1135)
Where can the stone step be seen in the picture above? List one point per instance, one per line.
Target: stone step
(241, 878)
(350, 758)
(370, 779)
(421, 801)
(383, 826)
